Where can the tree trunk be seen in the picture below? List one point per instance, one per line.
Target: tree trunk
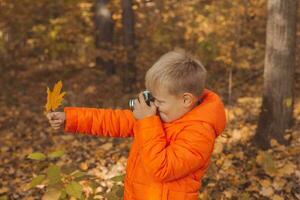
(104, 35)
(277, 105)
(129, 75)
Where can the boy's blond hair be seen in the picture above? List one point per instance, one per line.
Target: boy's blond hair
(179, 72)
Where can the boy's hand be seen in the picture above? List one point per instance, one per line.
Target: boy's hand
(141, 109)
(57, 120)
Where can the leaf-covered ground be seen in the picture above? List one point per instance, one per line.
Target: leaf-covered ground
(238, 169)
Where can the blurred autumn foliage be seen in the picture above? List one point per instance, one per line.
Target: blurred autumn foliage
(48, 40)
(47, 34)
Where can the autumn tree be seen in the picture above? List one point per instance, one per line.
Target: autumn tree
(104, 34)
(277, 105)
(129, 75)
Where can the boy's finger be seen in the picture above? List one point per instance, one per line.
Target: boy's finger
(153, 106)
(52, 116)
(136, 104)
(49, 116)
(142, 100)
(56, 120)
(56, 127)
(56, 124)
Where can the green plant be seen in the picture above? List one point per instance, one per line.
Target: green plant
(61, 182)
(65, 182)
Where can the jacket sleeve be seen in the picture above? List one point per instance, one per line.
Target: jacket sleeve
(166, 162)
(100, 122)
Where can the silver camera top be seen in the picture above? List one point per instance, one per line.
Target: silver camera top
(147, 96)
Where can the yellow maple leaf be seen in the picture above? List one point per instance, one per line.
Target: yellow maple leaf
(54, 98)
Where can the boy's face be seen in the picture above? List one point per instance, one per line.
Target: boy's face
(169, 107)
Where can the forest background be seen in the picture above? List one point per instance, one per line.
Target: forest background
(101, 50)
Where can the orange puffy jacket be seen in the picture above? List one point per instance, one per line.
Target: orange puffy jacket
(166, 160)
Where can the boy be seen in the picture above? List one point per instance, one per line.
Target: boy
(173, 137)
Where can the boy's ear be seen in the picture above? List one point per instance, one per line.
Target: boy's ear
(188, 99)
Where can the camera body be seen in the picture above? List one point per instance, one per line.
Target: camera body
(147, 96)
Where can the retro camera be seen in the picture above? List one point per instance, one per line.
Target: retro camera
(147, 96)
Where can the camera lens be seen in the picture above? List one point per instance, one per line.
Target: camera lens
(147, 96)
(131, 104)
